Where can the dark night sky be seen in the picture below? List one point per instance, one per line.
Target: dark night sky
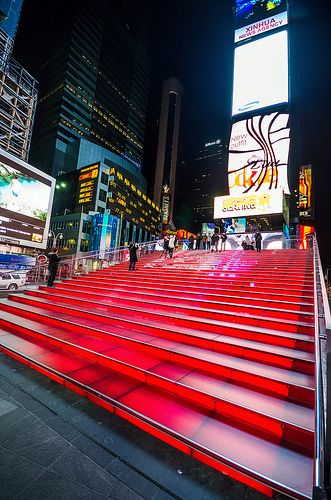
(193, 40)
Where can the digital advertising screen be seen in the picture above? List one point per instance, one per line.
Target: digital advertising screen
(258, 155)
(208, 228)
(261, 74)
(9, 15)
(248, 205)
(252, 11)
(305, 192)
(260, 27)
(26, 197)
(87, 186)
(234, 226)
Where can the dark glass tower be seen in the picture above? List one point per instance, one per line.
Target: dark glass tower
(209, 180)
(93, 75)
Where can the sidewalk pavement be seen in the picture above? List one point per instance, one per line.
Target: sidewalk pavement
(57, 445)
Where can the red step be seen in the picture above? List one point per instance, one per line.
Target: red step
(213, 353)
(276, 417)
(294, 385)
(191, 318)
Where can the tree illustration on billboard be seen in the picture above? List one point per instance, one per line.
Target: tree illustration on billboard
(258, 155)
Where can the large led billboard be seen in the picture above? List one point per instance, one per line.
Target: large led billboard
(252, 11)
(261, 74)
(248, 205)
(26, 197)
(258, 155)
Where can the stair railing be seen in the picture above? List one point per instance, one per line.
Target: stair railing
(86, 262)
(322, 373)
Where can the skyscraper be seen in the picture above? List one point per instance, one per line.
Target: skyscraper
(208, 181)
(167, 151)
(93, 74)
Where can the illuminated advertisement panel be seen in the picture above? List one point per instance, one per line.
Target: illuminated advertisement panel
(258, 155)
(26, 197)
(260, 74)
(248, 205)
(231, 226)
(251, 11)
(259, 27)
(9, 15)
(305, 192)
(87, 185)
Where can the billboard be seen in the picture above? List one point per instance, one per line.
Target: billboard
(231, 226)
(248, 205)
(26, 197)
(104, 233)
(9, 15)
(261, 27)
(305, 192)
(261, 74)
(87, 186)
(252, 11)
(258, 155)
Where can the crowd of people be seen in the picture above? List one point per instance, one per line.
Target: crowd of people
(217, 242)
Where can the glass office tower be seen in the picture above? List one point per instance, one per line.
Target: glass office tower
(93, 75)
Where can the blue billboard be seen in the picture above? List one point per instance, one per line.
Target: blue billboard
(9, 15)
(104, 231)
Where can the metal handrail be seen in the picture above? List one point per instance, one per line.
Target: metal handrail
(322, 327)
(83, 263)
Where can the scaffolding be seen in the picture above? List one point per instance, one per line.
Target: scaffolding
(18, 98)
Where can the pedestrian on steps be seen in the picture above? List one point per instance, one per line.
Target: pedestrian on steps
(172, 242)
(258, 241)
(53, 264)
(223, 241)
(133, 247)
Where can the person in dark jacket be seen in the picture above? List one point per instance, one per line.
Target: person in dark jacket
(133, 247)
(223, 241)
(53, 264)
(258, 241)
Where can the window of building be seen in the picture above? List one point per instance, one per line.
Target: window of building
(86, 226)
(103, 195)
(104, 178)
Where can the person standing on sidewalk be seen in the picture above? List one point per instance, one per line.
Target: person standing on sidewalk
(53, 264)
(133, 247)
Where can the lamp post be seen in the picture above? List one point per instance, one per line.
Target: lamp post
(59, 236)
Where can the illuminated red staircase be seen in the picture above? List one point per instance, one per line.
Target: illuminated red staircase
(213, 353)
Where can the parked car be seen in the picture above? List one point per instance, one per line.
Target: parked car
(11, 281)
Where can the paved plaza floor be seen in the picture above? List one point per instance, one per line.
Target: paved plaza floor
(55, 444)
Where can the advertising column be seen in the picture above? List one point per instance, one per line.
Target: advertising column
(260, 134)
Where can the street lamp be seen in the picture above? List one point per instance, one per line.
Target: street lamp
(59, 236)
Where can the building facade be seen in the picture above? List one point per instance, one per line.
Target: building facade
(104, 186)
(168, 146)
(94, 83)
(208, 180)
